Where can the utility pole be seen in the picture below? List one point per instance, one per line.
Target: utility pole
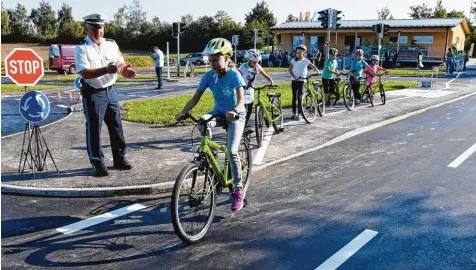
(256, 37)
(178, 49)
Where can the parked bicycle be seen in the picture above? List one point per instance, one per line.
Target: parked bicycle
(379, 88)
(312, 99)
(195, 191)
(268, 112)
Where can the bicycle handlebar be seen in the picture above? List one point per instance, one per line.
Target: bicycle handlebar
(310, 76)
(203, 121)
(274, 86)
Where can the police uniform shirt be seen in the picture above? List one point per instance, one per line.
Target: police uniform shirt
(89, 55)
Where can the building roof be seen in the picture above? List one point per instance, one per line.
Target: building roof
(400, 23)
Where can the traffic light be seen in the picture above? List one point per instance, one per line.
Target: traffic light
(377, 28)
(324, 18)
(336, 18)
(175, 31)
(386, 28)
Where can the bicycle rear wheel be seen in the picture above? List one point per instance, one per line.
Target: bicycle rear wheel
(244, 151)
(321, 102)
(193, 202)
(348, 96)
(277, 115)
(259, 125)
(382, 94)
(369, 95)
(308, 107)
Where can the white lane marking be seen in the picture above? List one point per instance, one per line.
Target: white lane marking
(62, 106)
(361, 130)
(101, 218)
(452, 80)
(262, 150)
(348, 250)
(463, 157)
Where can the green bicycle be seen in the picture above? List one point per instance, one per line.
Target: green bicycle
(348, 92)
(312, 99)
(379, 88)
(195, 191)
(268, 112)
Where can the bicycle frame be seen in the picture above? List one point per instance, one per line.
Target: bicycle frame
(266, 106)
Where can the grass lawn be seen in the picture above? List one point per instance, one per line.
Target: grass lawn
(162, 111)
(11, 88)
(409, 72)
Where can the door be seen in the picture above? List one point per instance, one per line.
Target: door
(350, 41)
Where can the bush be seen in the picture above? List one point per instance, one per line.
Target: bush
(139, 61)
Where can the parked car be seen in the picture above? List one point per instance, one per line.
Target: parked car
(61, 58)
(197, 59)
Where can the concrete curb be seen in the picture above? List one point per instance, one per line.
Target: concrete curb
(164, 188)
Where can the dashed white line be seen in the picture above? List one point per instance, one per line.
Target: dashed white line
(101, 218)
(463, 157)
(348, 250)
(262, 150)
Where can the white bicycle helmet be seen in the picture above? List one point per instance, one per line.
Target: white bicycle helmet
(301, 46)
(359, 52)
(375, 57)
(253, 55)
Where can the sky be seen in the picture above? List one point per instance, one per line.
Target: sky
(168, 11)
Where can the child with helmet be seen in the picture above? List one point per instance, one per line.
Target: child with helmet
(249, 71)
(227, 86)
(356, 68)
(298, 71)
(330, 71)
(371, 70)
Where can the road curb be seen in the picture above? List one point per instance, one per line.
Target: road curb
(164, 188)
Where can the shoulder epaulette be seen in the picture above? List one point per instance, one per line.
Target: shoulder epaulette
(82, 42)
(110, 40)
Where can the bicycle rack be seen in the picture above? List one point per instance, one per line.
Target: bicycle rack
(430, 81)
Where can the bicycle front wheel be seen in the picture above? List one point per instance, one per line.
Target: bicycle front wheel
(244, 151)
(259, 125)
(193, 202)
(308, 107)
(348, 96)
(321, 102)
(277, 115)
(382, 94)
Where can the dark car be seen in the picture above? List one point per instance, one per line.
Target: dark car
(61, 58)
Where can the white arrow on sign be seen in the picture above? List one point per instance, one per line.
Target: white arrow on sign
(25, 106)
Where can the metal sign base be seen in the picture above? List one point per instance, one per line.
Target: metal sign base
(34, 150)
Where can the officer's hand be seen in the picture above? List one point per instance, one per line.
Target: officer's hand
(128, 72)
(111, 68)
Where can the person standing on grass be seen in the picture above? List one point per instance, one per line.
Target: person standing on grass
(98, 60)
(158, 56)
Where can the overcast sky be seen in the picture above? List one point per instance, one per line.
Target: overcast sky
(167, 10)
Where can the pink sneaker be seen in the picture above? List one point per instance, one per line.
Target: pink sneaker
(237, 203)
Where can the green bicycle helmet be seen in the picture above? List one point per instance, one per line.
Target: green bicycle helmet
(333, 51)
(218, 45)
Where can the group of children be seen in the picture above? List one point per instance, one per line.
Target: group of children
(234, 95)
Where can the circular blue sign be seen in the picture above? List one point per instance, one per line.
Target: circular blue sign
(34, 106)
(77, 82)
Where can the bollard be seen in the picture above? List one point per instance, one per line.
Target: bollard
(58, 95)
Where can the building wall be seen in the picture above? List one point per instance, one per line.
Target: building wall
(434, 49)
(458, 37)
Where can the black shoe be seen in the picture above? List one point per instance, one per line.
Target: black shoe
(328, 103)
(123, 165)
(100, 170)
(158, 88)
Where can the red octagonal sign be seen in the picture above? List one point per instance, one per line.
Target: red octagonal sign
(24, 67)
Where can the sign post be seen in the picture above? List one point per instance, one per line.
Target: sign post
(235, 39)
(25, 68)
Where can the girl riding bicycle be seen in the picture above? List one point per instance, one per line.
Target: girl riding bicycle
(227, 86)
(328, 75)
(356, 68)
(298, 71)
(372, 70)
(249, 71)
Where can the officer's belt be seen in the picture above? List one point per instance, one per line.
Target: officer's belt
(89, 88)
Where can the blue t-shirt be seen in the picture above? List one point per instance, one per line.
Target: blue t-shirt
(223, 89)
(357, 67)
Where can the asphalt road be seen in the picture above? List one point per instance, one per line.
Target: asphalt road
(393, 182)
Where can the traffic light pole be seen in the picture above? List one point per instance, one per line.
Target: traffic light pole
(178, 49)
(326, 49)
(256, 37)
(380, 39)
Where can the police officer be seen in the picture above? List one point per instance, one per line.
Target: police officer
(98, 60)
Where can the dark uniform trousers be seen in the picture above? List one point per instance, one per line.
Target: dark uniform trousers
(103, 105)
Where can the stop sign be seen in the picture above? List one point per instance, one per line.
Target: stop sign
(24, 67)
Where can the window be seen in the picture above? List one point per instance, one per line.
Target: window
(403, 39)
(297, 40)
(54, 52)
(313, 45)
(423, 39)
(394, 40)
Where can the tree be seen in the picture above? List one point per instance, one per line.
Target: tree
(186, 19)
(18, 20)
(64, 15)
(263, 33)
(120, 17)
(261, 13)
(71, 31)
(221, 16)
(5, 25)
(420, 11)
(44, 18)
(291, 18)
(440, 10)
(456, 14)
(135, 17)
(384, 14)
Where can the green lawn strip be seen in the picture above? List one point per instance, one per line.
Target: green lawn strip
(12, 88)
(409, 72)
(162, 111)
